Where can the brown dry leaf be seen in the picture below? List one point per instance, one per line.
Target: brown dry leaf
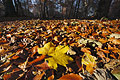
(78, 62)
(15, 70)
(71, 76)
(43, 66)
(7, 76)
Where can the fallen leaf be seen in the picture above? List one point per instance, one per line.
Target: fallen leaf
(34, 50)
(71, 76)
(37, 59)
(39, 76)
(51, 77)
(7, 76)
(89, 61)
(85, 50)
(47, 49)
(57, 54)
(43, 66)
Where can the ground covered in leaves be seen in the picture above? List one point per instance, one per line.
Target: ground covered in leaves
(60, 49)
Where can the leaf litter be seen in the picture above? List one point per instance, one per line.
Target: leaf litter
(60, 49)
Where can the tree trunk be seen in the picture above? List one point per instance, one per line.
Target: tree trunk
(71, 8)
(103, 8)
(20, 9)
(44, 9)
(114, 11)
(78, 9)
(16, 7)
(9, 8)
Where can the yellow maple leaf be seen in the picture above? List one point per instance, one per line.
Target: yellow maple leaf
(57, 54)
(48, 49)
(89, 61)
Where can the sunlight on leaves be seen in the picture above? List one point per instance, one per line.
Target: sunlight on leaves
(57, 54)
(47, 49)
(89, 61)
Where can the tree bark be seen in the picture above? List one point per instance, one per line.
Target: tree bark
(103, 8)
(78, 9)
(114, 11)
(9, 8)
(71, 9)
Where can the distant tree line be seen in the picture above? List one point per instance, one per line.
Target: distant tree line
(49, 9)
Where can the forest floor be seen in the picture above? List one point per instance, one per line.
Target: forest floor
(69, 49)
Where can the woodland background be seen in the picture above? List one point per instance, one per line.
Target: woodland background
(60, 9)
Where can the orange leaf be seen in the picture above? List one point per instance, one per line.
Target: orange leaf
(90, 68)
(73, 44)
(105, 51)
(3, 42)
(21, 45)
(85, 50)
(116, 51)
(71, 76)
(34, 50)
(94, 34)
(15, 57)
(43, 66)
(51, 77)
(115, 41)
(112, 55)
(7, 76)
(107, 59)
(109, 47)
(102, 40)
(37, 59)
